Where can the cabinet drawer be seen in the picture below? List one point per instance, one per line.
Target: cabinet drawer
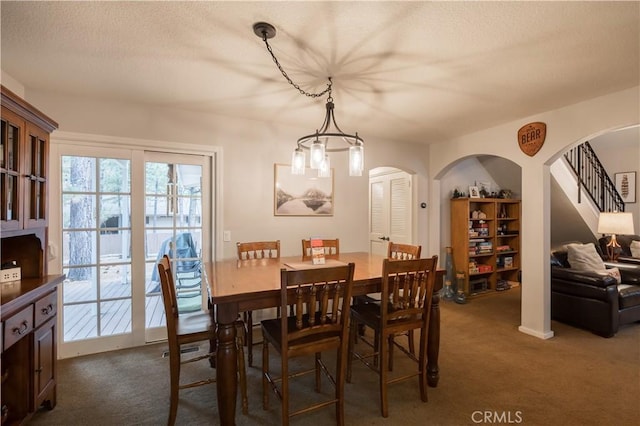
(18, 326)
(46, 308)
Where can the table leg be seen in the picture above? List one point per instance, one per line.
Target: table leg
(227, 366)
(433, 348)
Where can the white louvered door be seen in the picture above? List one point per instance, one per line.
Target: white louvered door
(390, 204)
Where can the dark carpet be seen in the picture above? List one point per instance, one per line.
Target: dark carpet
(490, 373)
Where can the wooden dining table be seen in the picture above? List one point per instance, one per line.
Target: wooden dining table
(244, 285)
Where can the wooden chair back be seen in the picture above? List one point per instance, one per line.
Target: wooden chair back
(188, 329)
(169, 298)
(403, 251)
(407, 286)
(321, 304)
(407, 293)
(255, 250)
(331, 248)
(259, 250)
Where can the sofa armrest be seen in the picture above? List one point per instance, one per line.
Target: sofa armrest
(629, 260)
(629, 271)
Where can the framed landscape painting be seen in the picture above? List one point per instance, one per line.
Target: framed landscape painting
(626, 186)
(306, 195)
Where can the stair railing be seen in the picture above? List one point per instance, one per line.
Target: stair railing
(594, 179)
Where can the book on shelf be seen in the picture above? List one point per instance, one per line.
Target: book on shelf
(317, 251)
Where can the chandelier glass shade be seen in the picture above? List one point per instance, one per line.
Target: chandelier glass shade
(356, 159)
(325, 167)
(297, 162)
(316, 154)
(328, 138)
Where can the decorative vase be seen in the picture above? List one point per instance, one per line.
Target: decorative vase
(460, 296)
(447, 293)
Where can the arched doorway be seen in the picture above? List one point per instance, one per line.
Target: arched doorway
(490, 174)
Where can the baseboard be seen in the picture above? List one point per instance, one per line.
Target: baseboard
(535, 333)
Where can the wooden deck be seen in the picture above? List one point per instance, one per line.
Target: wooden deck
(80, 299)
(81, 319)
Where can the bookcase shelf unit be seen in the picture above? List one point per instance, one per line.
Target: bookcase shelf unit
(485, 241)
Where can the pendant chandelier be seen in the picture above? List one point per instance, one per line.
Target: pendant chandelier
(328, 138)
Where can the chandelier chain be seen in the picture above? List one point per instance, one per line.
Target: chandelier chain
(302, 91)
(329, 132)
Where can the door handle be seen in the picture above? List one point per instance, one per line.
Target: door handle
(383, 238)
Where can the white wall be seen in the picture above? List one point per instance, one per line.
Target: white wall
(566, 126)
(624, 159)
(249, 151)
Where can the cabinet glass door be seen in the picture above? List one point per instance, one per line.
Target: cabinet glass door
(36, 174)
(10, 210)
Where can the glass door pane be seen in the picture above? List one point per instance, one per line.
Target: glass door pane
(173, 227)
(96, 227)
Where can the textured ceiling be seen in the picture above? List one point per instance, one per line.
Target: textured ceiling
(403, 71)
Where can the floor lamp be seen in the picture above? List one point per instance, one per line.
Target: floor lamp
(615, 223)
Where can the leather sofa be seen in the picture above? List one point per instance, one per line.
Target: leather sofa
(594, 300)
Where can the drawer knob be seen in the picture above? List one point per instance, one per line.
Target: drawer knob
(47, 310)
(24, 326)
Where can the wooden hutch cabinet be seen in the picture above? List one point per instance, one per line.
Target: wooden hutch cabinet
(485, 241)
(23, 165)
(29, 305)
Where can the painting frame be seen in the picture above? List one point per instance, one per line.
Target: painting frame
(291, 193)
(625, 183)
(474, 192)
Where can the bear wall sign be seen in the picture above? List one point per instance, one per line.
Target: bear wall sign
(531, 137)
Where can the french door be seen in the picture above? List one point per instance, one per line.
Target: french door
(174, 225)
(120, 210)
(390, 215)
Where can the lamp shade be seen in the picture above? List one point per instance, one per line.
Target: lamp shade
(620, 223)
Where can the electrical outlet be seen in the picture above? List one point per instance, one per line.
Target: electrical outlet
(11, 274)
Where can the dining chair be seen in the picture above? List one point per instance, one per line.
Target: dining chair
(255, 250)
(259, 250)
(396, 251)
(401, 251)
(331, 248)
(185, 329)
(321, 299)
(407, 290)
